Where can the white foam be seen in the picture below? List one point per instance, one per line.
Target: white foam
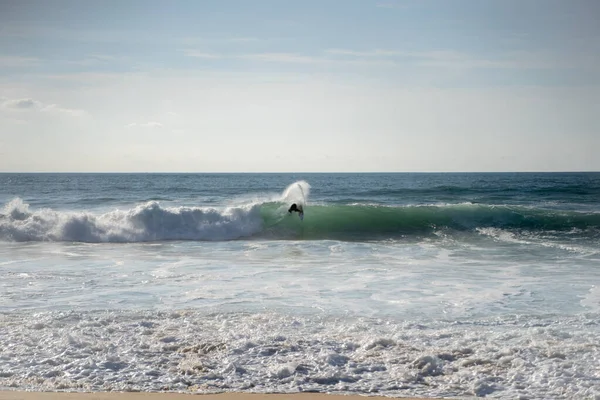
(529, 238)
(297, 192)
(591, 300)
(145, 222)
(191, 351)
(501, 235)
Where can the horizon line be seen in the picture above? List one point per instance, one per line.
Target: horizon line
(301, 172)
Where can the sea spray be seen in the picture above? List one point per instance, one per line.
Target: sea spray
(297, 192)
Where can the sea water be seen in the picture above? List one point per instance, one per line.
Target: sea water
(449, 285)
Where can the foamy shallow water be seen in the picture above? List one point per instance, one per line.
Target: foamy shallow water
(420, 279)
(413, 318)
(187, 350)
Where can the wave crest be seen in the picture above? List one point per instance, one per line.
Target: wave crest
(145, 222)
(268, 219)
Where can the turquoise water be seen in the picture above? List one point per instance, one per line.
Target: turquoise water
(397, 284)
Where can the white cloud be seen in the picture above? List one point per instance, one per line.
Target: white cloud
(449, 59)
(22, 104)
(267, 57)
(199, 54)
(29, 104)
(18, 61)
(243, 39)
(89, 78)
(322, 60)
(507, 60)
(372, 53)
(54, 108)
(97, 59)
(105, 57)
(284, 58)
(297, 58)
(461, 60)
(358, 125)
(149, 124)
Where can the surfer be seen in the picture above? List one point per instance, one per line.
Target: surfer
(298, 209)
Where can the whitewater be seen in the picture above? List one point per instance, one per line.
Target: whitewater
(454, 285)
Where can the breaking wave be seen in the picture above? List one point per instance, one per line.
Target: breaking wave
(269, 220)
(145, 222)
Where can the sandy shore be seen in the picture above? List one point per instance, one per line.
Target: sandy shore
(10, 395)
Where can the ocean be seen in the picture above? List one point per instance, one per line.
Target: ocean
(400, 284)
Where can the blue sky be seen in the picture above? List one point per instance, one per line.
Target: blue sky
(251, 86)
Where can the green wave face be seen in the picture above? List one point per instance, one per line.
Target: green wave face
(366, 222)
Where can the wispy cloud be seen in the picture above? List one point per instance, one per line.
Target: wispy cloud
(267, 57)
(92, 78)
(512, 60)
(375, 57)
(18, 61)
(200, 54)
(149, 124)
(54, 108)
(243, 39)
(284, 58)
(460, 60)
(219, 41)
(28, 104)
(105, 57)
(327, 57)
(97, 59)
(371, 53)
(21, 104)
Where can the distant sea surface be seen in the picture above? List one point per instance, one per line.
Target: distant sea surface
(393, 284)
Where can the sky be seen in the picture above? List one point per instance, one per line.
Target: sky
(299, 86)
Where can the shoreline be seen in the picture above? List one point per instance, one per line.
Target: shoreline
(26, 395)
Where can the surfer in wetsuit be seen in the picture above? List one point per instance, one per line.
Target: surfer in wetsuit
(296, 208)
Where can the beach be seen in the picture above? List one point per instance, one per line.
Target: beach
(5, 395)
